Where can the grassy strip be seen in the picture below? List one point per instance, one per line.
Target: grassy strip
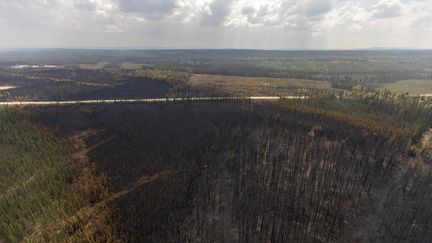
(357, 120)
(355, 114)
(413, 86)
(242, 85)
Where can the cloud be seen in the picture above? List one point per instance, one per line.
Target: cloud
(259, 17)
(88, 5)
(315, 7)
(350, 17)
(219, 10)
(217, 23)
(28, 14)
(304, 15)
(248, 10)
(387, 9)
(154, 9)
(292, 15)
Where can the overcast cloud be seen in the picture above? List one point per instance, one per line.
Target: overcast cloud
(262, 24)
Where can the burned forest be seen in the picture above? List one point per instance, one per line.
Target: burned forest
(162, 146)
(245, 172)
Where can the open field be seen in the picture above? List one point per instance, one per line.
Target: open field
(254, 85)
(412, 86)
(93, 66)
(132, 66)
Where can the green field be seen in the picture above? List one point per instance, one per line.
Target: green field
(412, 86)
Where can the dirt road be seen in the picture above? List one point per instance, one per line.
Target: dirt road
(149, 100)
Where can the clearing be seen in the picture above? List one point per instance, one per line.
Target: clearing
(254, 85)
(412, 86)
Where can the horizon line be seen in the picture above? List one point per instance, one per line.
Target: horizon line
(201, 49)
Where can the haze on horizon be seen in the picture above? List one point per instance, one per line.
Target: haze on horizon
(243, 24)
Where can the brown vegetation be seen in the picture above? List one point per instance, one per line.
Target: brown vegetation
(237, 85)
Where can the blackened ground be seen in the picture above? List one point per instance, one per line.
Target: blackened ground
(214, 171)
(48, 90)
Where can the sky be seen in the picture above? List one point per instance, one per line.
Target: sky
(198, 24)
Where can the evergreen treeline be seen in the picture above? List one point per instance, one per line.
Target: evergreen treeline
(42, 186)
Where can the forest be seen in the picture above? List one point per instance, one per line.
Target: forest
(344, 69)
(43, 184)
(258, 172)
(350, 161)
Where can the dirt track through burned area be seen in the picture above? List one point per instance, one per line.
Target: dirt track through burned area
(144, 100)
